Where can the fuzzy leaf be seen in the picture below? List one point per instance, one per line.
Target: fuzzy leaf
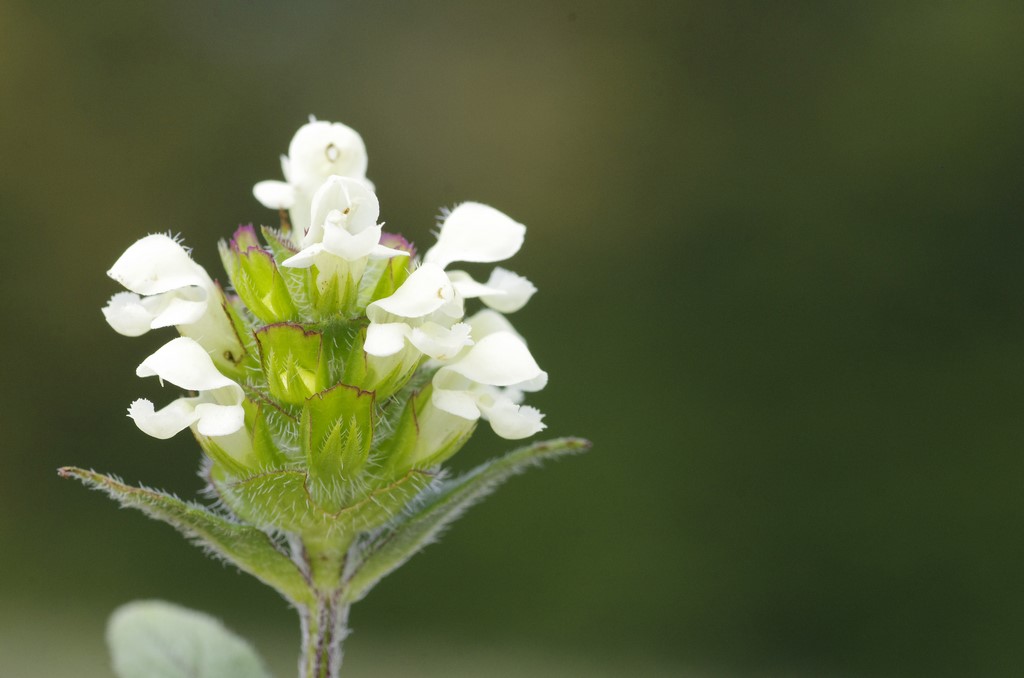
(246, 547)
(153, 639)
(443, 505)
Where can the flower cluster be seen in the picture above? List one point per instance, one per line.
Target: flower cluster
(338, 363)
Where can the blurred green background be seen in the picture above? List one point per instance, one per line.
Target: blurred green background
(779, 248)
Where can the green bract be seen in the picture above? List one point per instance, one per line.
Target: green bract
(331, 380)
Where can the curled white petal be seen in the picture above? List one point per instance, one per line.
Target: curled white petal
(499, 359)
(439, 342)
(166, 422)
(476, 233)
(426, 290)
(128, 315)
(275, 195)
(185, 363)
(156, 264)
(515, 291)
(511, 421)
(384, 339)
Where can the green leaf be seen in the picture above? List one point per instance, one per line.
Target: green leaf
(250, 549)
(154, 639)
(441, 506)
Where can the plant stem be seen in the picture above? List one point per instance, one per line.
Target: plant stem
(324, 627)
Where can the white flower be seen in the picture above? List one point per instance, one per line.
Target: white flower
(427, 304)
(176, 289)
(166, 288)
(318, 150)
(488, 381)
(424, 311)
(344, 226)
(216, 411)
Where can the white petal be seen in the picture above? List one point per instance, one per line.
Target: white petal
(532, 385)
(180, 307)
(477, 233)
(439, 342)
(219, 420)
(384, 339)
(163, 424)
(275, 195)
(469, 288)
(320, 149)
(349, 247)
(423, 292)
(127, 315)
(511, 421)
(158, 264)
(353, 198)
(304, 258)
(516, 289)
(499, 359)
(459, 403)
(486, 321)
(185, 363)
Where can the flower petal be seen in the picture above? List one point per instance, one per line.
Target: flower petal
(158, 264)
(180, 307)
(486, 321)
(320, 149)
(469, 288)
(304, 258)
(185, 363)
(275, 195)
(499, 359)
(126, 313)
(384, 339)
(219, 420)
(439, 342)
(459, 403)
(163, 424)
(349, 247)
(516, 291)
(353, 199)
(477, 233)
(511, 421)
(423, 292)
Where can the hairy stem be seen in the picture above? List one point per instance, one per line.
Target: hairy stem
(324, 627)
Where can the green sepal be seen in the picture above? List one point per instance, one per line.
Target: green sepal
(151, 638)
(293, 362)
(281, 500)
(424, 437)
(248, 548)
(255, 277)
(382, 277)
(297, 280)
(442, 504)
(337, 430)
